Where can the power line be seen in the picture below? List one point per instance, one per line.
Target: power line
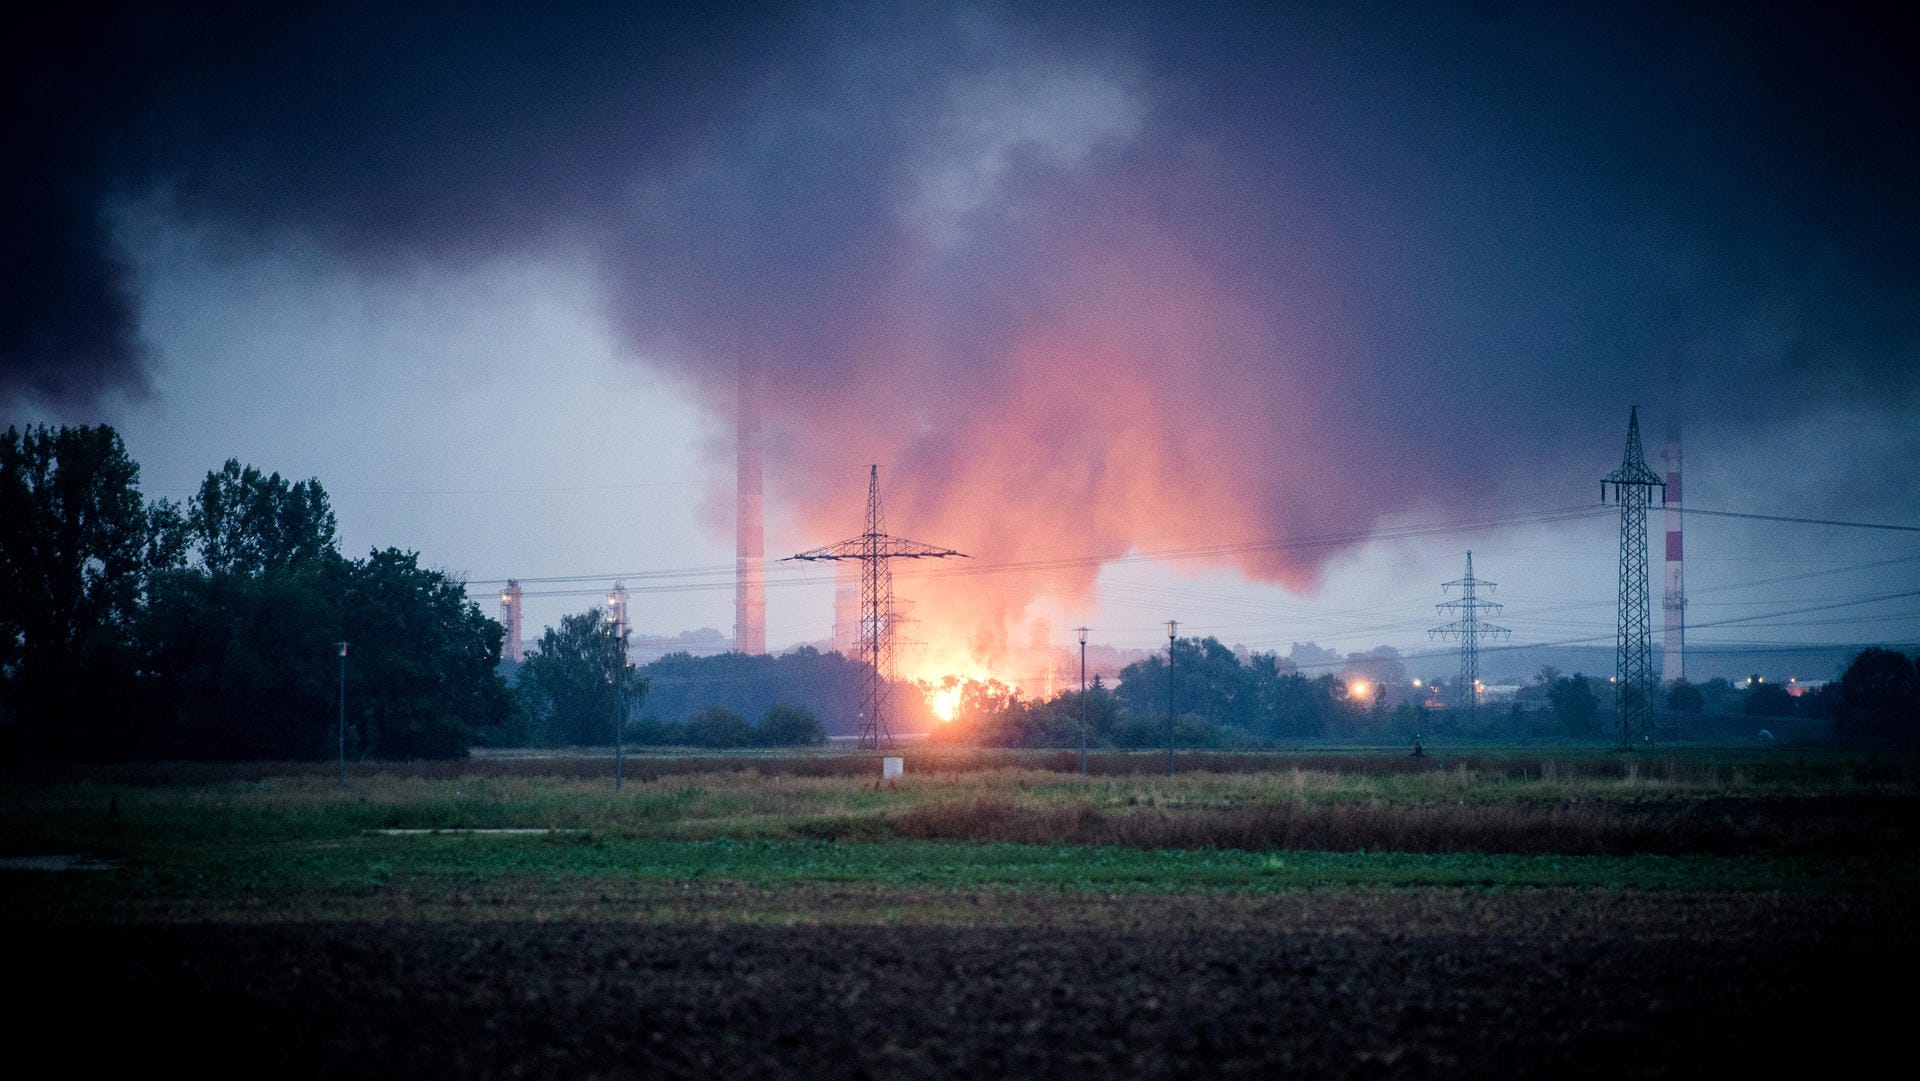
(1801, 521)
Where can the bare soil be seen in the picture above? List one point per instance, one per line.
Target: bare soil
(1338, 984)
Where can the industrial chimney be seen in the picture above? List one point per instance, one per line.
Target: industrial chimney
(750, 569)
(512, 648)
(1673, 661)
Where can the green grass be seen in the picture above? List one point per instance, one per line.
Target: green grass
(214, 843)
(432, 871)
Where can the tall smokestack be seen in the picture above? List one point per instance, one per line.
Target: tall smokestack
(511, 649)
(1673, 664)
(846, 608)
(750, 570)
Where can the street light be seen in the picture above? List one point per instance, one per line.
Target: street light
(1083, 700)
(618, 679)
(1172, 626)
(342, 646)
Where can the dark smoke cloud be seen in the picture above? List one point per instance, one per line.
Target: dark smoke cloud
(1275, 272)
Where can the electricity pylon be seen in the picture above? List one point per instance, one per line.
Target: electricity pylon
(1469, 628)
(878, 616)
(1633, 687)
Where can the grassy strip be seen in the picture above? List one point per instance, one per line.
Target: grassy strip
(432, 863)
(1698, 766)
(1453, 812)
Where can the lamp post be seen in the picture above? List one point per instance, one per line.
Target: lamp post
(343, 712)
(1172, 626)
(1083, 700)
(618, 679)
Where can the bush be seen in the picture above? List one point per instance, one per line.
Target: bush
(718, 726)
(790, 726)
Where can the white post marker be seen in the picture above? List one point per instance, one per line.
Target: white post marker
(892, 766)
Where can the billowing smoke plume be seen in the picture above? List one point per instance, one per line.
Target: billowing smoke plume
(1148, 279)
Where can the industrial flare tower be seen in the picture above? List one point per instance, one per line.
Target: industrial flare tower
(1469, 627)
(875, 551)
(1632, 486)
(510, 619)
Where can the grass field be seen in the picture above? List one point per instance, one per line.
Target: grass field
(1345, 914)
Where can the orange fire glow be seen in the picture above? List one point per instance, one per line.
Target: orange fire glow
(1123, 416)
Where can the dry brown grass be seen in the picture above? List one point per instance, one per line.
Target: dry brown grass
(1726, 826)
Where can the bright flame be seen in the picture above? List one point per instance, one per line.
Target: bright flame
(1357, 689)
(945, 701)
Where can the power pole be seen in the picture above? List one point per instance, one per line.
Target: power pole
(1468, 627)
(1632, 486)
(875, 550)
(343, 646)
(1082, 632)
(617, 676)
(1172, 627)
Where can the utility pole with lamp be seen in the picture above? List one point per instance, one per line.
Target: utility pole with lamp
(1172, 627)
(617, 678)
(343, 646)
(1082, 631)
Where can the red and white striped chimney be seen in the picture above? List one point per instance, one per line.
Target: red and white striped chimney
(1673, 664)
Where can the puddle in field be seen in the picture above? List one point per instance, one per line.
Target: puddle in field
(65, 861)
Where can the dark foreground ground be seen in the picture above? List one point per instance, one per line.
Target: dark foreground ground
(1409, 983)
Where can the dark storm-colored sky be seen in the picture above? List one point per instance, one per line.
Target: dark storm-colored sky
(1293, 260)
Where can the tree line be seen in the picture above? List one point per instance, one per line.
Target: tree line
(576, 686)
(212, 629)
(132, 627)
(1217, 700)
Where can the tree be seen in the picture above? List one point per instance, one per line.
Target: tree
(832, 687)
(1208, 679)
(248, 667)
(245, 522)
(1576, 709)
(1879, 697)
(719, 727)
(421, 679)
(567, 682)
(78, 548)
(1768, 700)
(1718, 695)
(242, 645)
(245, 664)
(1684, 697)
(790, 726)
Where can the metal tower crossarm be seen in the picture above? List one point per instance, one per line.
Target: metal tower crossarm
(871, 545)
(879, 618)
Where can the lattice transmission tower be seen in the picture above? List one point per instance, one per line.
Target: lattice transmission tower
(1633, 484)
(879, 616)
(1469, 627)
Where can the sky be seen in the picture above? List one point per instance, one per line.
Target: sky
(1254, 319)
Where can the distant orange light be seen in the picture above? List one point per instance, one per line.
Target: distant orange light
(1357, 689)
